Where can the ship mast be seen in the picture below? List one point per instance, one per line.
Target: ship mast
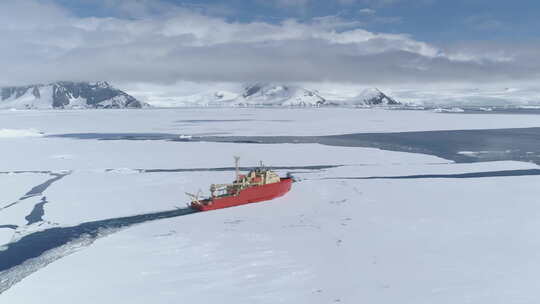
(236, 161)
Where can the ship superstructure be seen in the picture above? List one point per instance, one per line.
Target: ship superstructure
(259, 184)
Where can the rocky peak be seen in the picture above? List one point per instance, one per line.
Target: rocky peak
(374, 96)
(68, 94)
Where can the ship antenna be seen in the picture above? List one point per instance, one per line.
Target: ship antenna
(236, 161)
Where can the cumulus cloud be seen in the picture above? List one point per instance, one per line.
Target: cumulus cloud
(44, 42)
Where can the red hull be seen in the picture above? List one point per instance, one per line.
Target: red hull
(247, 196)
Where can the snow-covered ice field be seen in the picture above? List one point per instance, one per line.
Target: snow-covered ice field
(255, 121)
(362, 225)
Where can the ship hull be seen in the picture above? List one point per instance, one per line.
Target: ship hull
(249, 195)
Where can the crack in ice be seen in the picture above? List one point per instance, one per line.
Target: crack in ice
(502, 173)
(39, 189)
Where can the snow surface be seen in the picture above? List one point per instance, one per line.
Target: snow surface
(352, 241)
(11, 133)
(333, 239)
(253, 121)
(448, 110)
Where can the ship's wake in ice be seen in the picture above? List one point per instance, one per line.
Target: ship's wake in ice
(38, 249)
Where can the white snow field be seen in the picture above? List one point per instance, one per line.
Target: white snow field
(10, 133)
(335, 238)
(256, 121)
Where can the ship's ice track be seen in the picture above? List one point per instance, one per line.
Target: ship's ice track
(34, 251)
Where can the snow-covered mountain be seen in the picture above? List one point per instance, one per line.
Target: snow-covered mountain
(280, 95)
(368, 97)
(257, 94)
(271, 94)
(375, 97)
(204, 99)
(66, 94)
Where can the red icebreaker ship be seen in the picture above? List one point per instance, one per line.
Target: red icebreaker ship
(258, 185)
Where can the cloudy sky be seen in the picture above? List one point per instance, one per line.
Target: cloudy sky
(369, 42)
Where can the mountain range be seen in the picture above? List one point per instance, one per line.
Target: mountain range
(84, 95)
(67, 95)
(268, 94)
